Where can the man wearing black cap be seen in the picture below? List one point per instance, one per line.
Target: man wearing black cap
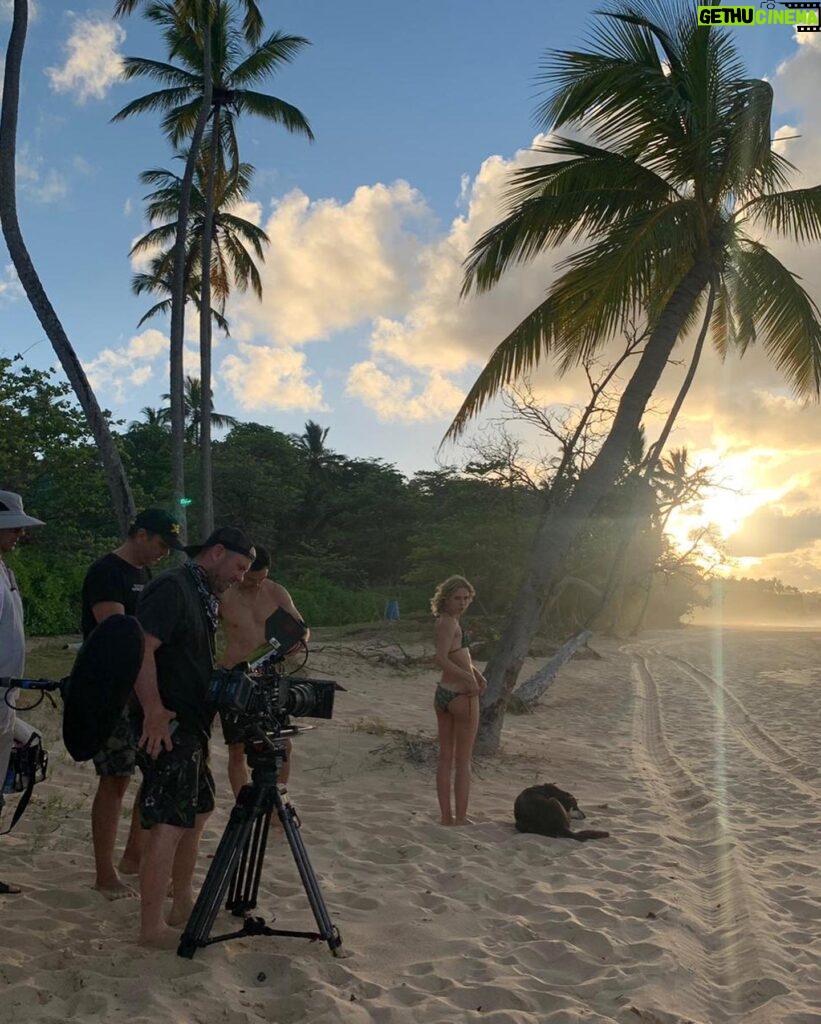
(179, 612)
(111, 587)
(13, 524)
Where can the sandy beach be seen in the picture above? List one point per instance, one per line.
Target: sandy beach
(699, 751)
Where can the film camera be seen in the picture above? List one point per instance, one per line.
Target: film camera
(259, 698)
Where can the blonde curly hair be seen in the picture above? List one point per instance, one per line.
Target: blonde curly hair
(446, 588)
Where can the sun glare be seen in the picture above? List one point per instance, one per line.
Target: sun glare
(735, 496)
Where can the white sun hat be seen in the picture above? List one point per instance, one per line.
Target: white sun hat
(12, 514)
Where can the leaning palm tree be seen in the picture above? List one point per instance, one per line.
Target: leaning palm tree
(668, 196)
(199, 13)
(121, 497)
(233, 73)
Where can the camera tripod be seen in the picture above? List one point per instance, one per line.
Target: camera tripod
(237, 865)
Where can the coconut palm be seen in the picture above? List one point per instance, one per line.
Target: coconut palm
(232, 73)
(668, 194)
(121, 497)
(198, 13)
(232, 266)
(192, 404)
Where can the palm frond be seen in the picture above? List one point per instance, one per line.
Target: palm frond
(277, 50)
(274, 109)
(795, 214)
(785, 318)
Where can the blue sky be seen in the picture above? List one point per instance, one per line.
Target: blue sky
(420, 111)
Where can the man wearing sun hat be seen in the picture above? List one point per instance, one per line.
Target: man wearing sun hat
(13, 524)
(179, 612)
(112, 586)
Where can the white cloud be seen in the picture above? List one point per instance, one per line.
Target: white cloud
(10, 287)
(115, 369)
(401, 398)
(331, 265)
(42, 185)
(93, 63)
(271, 378)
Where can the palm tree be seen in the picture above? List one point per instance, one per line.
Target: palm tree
(233, 236)
(121, 497)
(679, 176)
(213, 58)
(199, 12)
(192, 404)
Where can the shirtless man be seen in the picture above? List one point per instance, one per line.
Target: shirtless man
(456, 700)
(244, 610)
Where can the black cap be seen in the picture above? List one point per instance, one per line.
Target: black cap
(157, 520)
(230, 537)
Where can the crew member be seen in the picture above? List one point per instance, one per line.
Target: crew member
(13, 524)
(179, 612)
(111, 587)
(244, 611)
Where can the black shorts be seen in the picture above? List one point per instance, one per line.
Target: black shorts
(177, 784)
(232, 732)
(118, 757)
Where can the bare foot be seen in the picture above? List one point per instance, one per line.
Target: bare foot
(180, 912)
(464, 821)
(115, 890)
(165, 938)
(128, 867)
(446, 821)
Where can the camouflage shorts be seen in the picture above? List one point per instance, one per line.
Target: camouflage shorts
(177, 785)
(119, 755)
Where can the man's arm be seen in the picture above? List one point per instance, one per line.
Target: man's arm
(156, 733)
(102, 609)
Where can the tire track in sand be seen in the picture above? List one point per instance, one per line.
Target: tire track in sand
(729, 950)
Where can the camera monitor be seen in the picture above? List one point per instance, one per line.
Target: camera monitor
(283, 631)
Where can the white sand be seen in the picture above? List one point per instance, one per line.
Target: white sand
(699, 756)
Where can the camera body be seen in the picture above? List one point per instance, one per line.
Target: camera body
(269, 699)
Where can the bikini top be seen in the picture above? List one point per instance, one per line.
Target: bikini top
(465, 640)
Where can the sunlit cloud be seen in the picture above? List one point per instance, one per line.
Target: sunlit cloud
(93, 61)
(116, 370)
(403, 397)
(261, 378)
(10, 287)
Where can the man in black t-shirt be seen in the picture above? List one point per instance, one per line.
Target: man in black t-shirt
(178, 612)
(111, 587)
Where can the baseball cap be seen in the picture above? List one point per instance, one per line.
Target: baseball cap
(157, 520)
(230, 537)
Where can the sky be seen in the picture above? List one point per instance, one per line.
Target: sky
(420, 112)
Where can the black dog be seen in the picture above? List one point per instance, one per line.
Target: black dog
(547, 810)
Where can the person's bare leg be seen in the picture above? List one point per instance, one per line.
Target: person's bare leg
(238, 774)
(444, 764)
(465, 724)
(155, 872)
(105, 820)
(132, 854)
(182, 873)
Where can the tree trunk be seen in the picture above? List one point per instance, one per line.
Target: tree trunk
(563, 523)
(176, 387)
(121, 497)
(653, 458)
(532, 689)
(206, 481)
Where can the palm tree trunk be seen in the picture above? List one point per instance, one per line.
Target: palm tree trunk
(616, 570)
(206, 481)
(121, 497)
(563, 523)
(178, 283)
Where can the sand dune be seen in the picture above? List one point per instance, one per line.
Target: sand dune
(700, 754)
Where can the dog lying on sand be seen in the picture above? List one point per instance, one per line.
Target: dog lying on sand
(546, 810)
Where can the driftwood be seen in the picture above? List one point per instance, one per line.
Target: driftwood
(526, 695)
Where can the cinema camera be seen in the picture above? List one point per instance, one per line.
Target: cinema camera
(261, 701)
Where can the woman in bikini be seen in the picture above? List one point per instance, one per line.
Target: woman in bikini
(456, 700)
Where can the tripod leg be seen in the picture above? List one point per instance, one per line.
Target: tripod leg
(233, 843)
(290, 824)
